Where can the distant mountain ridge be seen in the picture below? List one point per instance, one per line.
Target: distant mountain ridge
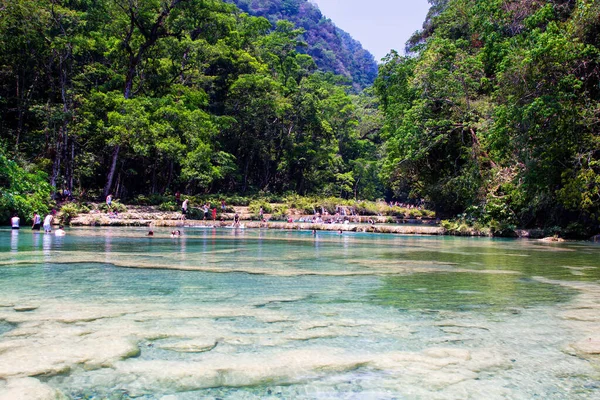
(332, 48)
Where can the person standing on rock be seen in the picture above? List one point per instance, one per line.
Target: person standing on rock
(109, 202)
(184, 209)
(205, 208)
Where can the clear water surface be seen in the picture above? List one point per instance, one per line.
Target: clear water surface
(255, 314)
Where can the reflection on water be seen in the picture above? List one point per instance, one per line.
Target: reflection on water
(229, 313)
(14, 240)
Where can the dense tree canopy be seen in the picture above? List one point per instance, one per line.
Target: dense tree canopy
(497, 112)
(493, 114)
(144, 97)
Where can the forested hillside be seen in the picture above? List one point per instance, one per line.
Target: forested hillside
(332, 49)
(493, 118)
(497, 113)
(157, 96)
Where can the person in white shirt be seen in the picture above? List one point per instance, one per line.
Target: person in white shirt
(184, 208)
(48, 223)
(60, 231)
(14, 221)
(37, 221)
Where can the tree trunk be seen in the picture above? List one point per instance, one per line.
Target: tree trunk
(246, 175)
(153, 178)
(170, 176)
(111, 172)
(71, 167)
(57, 160)
(64, 153)
(356, 189)
(20, 117)
(119, 187)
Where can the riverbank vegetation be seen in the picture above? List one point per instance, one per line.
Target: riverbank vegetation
(495, 114)
(140, 98)
(492, 119)
(277, 207)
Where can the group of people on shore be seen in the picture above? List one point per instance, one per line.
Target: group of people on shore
(15, 223)
(207, 210)
(407, 205)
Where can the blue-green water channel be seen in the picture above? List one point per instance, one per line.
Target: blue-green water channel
(257, 314)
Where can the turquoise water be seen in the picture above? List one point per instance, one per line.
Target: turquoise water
(254, 314)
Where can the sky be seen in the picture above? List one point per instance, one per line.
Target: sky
(379, 25)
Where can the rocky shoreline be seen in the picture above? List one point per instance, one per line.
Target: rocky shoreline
(151, 217)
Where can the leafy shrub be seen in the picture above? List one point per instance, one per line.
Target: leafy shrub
(577, 230)
(90, 207)
(168, 206)
(157, 199)
(330, 204)
(21, 191)
(463, 225)
(84, 208)
(68, 212)
(152, 200)
(496, 228)
(141, 200)
(115, 206)
(238, 201)
(280, 213)
(553, 231)
(414, 213)
(463, 228)
(428, 213)
(270, 197)
(195, 213)
(448, 225)
(255, 206)
(367, 208)
(119, 207)
(305, 204)
(396, 211)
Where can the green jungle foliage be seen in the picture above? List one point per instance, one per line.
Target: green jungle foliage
(496, 113)
(22, 190)
(493, 115)
(143, 99)
(332, 49)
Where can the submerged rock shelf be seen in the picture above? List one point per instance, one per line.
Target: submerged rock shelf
(272, 313)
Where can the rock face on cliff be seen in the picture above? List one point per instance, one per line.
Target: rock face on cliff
(332, 49)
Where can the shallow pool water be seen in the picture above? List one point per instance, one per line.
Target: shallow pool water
(254, 314)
